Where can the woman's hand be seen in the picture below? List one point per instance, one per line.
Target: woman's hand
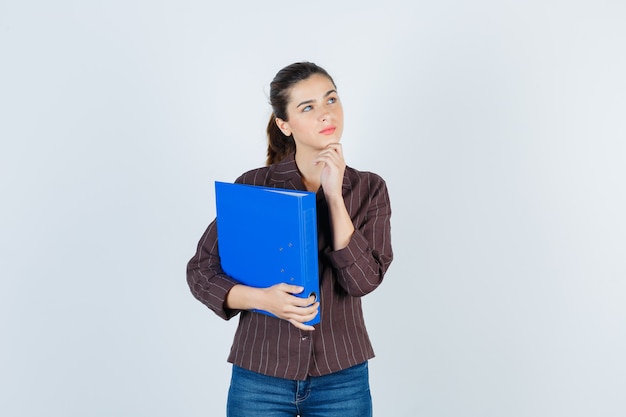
(280, 300)
(333, 169)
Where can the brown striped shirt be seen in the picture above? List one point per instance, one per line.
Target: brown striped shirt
(275, 347)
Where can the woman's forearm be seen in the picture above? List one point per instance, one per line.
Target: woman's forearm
(342, 226)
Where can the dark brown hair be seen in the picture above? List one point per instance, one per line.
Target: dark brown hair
(279, 145)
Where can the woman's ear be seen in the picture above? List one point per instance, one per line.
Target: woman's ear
(283, 126)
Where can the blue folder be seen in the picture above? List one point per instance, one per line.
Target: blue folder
(267, 236)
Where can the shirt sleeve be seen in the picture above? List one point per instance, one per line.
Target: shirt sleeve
(362, 264)
(206, 279)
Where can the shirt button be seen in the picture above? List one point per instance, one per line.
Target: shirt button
(304, 338)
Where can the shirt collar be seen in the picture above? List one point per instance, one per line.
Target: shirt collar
(287, 175)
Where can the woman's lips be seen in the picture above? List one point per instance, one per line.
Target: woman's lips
(328, 131)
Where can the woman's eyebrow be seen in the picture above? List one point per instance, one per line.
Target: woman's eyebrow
(329, 92)
(305, 102)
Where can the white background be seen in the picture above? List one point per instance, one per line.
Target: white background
(499, 126)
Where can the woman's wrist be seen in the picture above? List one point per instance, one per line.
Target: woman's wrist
(242, 297)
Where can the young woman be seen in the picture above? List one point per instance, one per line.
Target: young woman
(281, 366)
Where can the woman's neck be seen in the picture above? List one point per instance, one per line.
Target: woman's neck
(310, 172)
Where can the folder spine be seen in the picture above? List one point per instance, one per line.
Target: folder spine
(309, 235)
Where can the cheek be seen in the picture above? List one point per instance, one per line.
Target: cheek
(339, 114)
(305, 123)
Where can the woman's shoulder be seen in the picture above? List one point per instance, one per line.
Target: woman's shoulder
(275, 175)
(256, 176)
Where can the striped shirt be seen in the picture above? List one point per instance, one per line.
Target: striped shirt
(274, 347)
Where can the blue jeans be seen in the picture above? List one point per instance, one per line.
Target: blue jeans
(345, 394)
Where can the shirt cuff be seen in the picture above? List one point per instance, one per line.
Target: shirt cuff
(347, 256)
(221, 286)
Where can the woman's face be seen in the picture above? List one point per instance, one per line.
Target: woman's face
(314, 113)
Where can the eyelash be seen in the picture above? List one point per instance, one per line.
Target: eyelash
(331, 100)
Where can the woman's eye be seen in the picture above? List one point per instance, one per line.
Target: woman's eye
(332, 100)
(307, 108)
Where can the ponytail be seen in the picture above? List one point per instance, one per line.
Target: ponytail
(278, 145)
